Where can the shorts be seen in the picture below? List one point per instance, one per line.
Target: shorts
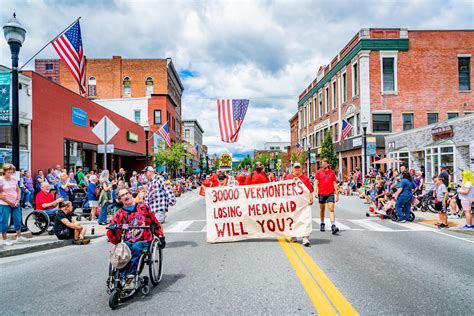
(466, 205)
(439, 207)
(93, 203)
(323, 199)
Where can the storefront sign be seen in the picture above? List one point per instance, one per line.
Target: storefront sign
(391, 146)
(371, 146)
(79, 117)
(357, 142)
(226, 162)
(5, 98)
(132, 137)
(322, 125)
(442, 132)
(110, 149)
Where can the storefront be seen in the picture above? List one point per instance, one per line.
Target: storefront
(449, 143)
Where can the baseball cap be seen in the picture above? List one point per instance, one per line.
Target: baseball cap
(443, 166)
(296, 164)
(120, 255)
(222, 176)
(149, 168)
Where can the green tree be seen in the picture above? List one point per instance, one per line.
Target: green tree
(172, 157)
(328, 152)
(246, 162)
(263, 158)
(300, 157)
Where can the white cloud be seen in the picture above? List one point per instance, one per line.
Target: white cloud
(267, 51)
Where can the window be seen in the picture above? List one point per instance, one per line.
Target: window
(314, 108)
(50, 78)
(334, 95)
(320, 104)
(127, 86)
(6, 137)
(388, 77)
(452, 115)
(468, 112)
(318, 142)
(350, 120)
(91, 87)
(344, 88)
(382, 122)
(357, 131)
(432, 118)
(354, 80)
(277, 147)
(157, 117)
(336, 132)
(437, 156)
(408, 121)
(149, 85)
(186, 133)
(464, 69)
(49, 67)
(136, 115)
(326, 107)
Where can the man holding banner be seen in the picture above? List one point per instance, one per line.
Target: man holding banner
(298, 174)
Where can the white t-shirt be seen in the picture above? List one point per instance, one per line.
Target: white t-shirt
(470, 194)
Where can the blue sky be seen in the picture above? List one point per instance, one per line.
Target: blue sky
(267, 51)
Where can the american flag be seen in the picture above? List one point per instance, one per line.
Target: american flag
(164, 132)
(231, 114)
(346, 129)
(299, 148)
(69, 48)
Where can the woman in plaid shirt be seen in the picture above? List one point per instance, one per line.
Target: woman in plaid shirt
(159, 196)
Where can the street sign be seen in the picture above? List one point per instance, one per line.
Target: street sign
(313, 157)
(101, 149)
(105, 129)
(371, 146)
(272, 165)
(278, 165)
(226, 162)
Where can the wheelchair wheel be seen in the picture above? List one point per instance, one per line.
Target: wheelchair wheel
(411, 218)
(37, 222)
(114, 299)
(155, 263)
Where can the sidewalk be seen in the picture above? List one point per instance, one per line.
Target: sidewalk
(430, 219)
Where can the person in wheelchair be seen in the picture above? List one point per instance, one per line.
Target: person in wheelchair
(134, 214)
(45, 200)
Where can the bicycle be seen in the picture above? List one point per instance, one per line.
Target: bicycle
(152, 256)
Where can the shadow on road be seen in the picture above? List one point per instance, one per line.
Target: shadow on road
(178, 244)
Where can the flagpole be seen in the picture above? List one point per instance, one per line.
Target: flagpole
(49, 43)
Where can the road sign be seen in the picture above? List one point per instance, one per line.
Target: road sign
(105, 129)
(101, 149)
(226, 162)
(272, 165)
(278, 165)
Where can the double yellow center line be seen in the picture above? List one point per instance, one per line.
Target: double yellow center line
(326, 298)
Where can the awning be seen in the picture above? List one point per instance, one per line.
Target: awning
(441, 142)
(387, 160)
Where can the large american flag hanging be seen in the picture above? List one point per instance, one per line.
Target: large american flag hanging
(346, 129)
(69, 48)
(164, 132)
(231, 114)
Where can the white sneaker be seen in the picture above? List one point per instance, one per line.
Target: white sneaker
(8, 242)
(306, 242)
(22, 239)
(453, 216)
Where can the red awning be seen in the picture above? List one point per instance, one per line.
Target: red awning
(386, 160)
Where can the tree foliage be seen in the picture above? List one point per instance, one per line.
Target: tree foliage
(172, 157)
(300, 157)
(245, 163)
(327, 150)
(263, 158)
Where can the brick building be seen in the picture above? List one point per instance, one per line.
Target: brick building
(389, 80)
(294, 131)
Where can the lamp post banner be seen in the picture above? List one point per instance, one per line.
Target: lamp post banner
(257, 211)
(5, 114)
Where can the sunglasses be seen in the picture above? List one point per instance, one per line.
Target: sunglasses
(122, 195)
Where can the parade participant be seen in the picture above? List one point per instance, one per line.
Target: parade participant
(326, 189)
(258, 176)
(158, 196)
(65, 228)
(10, 203)
(241, 178)
(466, 195)
(440, 194)
(137, 240)
(298, 174)
(222, 180)
(45, 199)
(404, 195)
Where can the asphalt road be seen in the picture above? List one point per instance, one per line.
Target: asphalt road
(371, 267)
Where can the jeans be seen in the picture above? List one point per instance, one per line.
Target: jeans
(136, 249)
(5, 211)
(103, 213)
(403, 206)
(26, 197)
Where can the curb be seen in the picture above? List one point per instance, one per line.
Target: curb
(40, 247)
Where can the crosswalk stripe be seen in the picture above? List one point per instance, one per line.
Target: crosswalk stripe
(370, 225)
(340, 225)
(204, 229)
(179, 226)
(415, 226)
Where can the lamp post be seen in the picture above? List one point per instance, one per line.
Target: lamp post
(146, 128)
(309, 161)
(364, 167)
(15, 35)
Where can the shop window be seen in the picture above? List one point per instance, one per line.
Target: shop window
(432, 118)
(452, 115)
(157, 117)
(388, 69)
(127, 86)
(408, 121)
(354, 79)
(334, 91)
(344, 88)
(49, 67)
(326, 107)
(403, 156)
(149, 85)
(464, 70)
(382, 122)
(91, 86)
(468, 113)
(435, 157)
(6, 138)
(137, 116)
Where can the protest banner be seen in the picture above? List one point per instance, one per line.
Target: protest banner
(257, 211)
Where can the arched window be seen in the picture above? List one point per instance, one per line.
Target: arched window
(149, 85)
(127, 86)
(91, 87)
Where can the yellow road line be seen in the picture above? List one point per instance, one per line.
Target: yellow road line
(320, 302)
(336, 297)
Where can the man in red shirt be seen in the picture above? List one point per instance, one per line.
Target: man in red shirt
(258, 176)
(326, 187)
(298, 174)
(45, 200)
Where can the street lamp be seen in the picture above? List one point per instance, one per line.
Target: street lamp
(15, 35)
(146, 128)
(364, 167)
(309, 161)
